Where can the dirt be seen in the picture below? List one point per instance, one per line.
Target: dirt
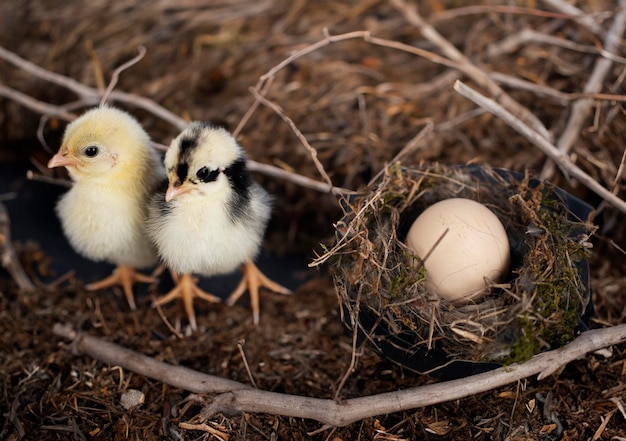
(358, 104)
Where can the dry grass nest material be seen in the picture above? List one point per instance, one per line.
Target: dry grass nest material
(538, 307)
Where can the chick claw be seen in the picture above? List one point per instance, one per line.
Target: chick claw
(125, 276)
(252, 279)
(187, 288)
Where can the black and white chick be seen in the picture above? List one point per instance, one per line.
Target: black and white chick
(115, 171)
(211, 218)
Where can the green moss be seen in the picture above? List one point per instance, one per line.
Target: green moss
(527, 345)
(392, 199)
(398, 283)
(554, 314)
(405, 275)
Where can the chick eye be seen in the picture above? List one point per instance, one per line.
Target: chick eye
(92, 151)
(206, 176)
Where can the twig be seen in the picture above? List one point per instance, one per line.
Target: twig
(63, 278)
(559, 157)
(353, 353)
(562, 98)
(453, 13)
(240, 344)
(328, 39)
(116, 73)
(579, 16)
(32, 176)
(96, 65)
(8, 256)
(276, 108)
(41, 73)
(619, 174)
(34, 104)
(43, 120)
(237, 397)
(263, 84)
(90, 96)
(265, 81)
(408, 148)
(605, 422)
(468, 68)
(264, 88)
(295, 178)
(150, 106)
(513, 42)
(582, 108)
(165, 320)
(204, 428)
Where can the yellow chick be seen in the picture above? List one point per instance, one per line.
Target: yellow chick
(114, 170)
(211, 218)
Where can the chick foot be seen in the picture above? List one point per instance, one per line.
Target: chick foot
(252, 280)
(126, 277)
(186, 289)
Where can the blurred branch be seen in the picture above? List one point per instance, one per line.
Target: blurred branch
(455, 59)
(577, 15)
(562, 98)
(277, 109)
(582, 108)
(525, 36)
(91, 97)
(555, 154)
(88, 95)
(228, 396)
(8, 256)
(116, 73)
(35, 105)
(465, 65)
(295, 178)
(463, 11)
(265, 81)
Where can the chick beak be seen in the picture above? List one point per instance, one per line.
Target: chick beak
(62, 159)
(176, 188)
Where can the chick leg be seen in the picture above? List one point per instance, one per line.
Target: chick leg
(186, 288)
(252, 279)
(125, 276)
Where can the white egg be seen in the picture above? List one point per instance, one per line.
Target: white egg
(473, 252)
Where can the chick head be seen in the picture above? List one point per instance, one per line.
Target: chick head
(103, 143)
(205, 160)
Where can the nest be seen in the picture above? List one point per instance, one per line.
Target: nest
(540, 305)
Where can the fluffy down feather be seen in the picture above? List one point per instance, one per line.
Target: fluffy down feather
(103, 214)
(209, 218)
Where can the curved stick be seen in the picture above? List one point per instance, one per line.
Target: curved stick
(558, 156)
(233, 396)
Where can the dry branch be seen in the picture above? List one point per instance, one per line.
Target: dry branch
(582, 108)
(525, 36)
(448, 14)
(91, 97)
(579, 16)
(8, 256)
(465, 65)
(556, 155)
(231, 396)
(562, 98)
(35, 105)
(116, 73)
(277, 109)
